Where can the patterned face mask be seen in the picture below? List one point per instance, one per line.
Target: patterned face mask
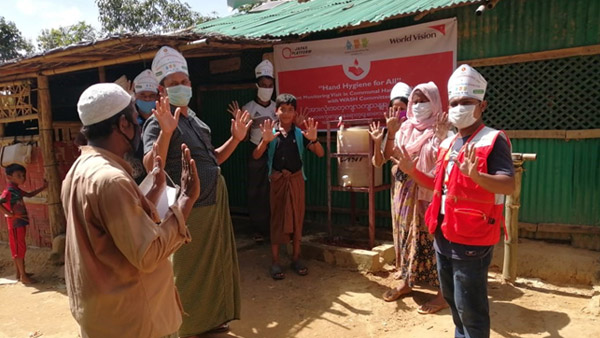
(179, 95)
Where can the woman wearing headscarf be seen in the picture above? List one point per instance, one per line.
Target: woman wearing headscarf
(420, 133)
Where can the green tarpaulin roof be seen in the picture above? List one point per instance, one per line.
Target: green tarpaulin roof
(293, 18)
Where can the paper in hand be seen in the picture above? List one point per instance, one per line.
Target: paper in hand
(166, 199)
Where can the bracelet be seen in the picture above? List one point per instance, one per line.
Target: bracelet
(313, 142)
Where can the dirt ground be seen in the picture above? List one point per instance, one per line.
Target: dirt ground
(329, 302)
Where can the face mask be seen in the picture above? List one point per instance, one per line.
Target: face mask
(134, 142)
(145, 106)
(179, 95)
(264, 94)
(422, 110)
(462, 116)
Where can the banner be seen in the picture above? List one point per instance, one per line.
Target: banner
(352, 76)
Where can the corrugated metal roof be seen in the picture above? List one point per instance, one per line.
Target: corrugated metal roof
(295, 18)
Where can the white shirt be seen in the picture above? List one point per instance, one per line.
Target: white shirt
(259, 114)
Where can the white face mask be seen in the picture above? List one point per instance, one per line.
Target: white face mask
(264, 94)
(422, 110)
(462, 116)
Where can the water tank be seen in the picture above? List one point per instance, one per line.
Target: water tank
(354, 170)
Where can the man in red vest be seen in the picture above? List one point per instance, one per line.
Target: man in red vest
(474, 171)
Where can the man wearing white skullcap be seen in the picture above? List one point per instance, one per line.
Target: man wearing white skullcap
(466, 214)
(117, 251)
(145, 88)
(262, 108)
(207, 272)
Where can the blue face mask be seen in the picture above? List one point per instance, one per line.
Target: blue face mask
(145, 106)
(179, 95)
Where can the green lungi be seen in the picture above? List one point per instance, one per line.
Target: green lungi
(206, 269)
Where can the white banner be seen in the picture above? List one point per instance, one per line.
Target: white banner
(352, 76)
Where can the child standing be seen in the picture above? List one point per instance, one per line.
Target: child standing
(285, 144)
(13, 207)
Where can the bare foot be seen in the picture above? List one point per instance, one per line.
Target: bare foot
(28, 280)
(434, 305)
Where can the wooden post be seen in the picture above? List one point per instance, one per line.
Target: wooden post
(509, 269)
(513, 203)
(55, 211)
(101, 74)
(371, 195)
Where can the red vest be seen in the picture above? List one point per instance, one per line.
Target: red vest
(473, 215)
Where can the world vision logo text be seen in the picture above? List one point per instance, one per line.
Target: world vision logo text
(439, 29)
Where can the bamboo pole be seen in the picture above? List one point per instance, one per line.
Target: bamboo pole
(101, 74)
(513, 203)
(125, 59)
(99, 47)
(18, 118)
(55, 211)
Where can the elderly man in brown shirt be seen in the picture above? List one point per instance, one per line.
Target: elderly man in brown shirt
(118, 274)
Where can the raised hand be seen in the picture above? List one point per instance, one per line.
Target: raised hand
(167, 121)
(376, 132)
(311, 129)
(470, 162)
(240, 125)
(267, 131)
(190, 183)
(301, 117)
(404, 161)
(441, 126)
(393, 121)
(157, 171)
(233, 108)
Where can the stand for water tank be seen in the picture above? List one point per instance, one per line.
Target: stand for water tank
(371, 189)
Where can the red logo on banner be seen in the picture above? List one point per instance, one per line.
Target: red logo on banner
(298, 52)
(356, 70)
(439, 28)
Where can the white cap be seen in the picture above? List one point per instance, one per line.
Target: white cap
(100, 102)
(466, 81)
(400, 89)
(123, 82)
(168, 61)
(265, 68)
(145, 82)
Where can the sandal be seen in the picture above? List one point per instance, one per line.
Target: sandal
(276, 272)
(429, 309)
(258, 238)
(393, 294)
(434, 305)
(299, 268)
(220, 329)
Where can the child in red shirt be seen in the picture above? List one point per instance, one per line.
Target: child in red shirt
(13, 207)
